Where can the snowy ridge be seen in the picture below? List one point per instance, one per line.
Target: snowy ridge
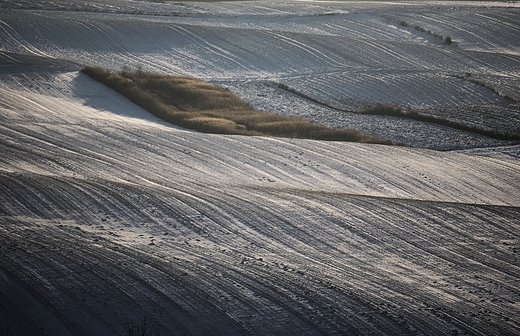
(109, 215)
(69, 100)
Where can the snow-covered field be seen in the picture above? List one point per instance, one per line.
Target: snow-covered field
(109, 215)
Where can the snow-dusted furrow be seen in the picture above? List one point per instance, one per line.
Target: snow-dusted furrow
(213, 48)
(313, 246)
(499, 35)
(109, 215)
(18, 43)
(413, 89)
(364, 27)
(96, 138)
(307, 168)
(308, 49)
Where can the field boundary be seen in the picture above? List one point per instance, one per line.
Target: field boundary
(398, 111)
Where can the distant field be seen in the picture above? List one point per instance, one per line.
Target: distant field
(197, 105)
(397, 111)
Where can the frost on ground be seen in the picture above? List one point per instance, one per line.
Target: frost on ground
(344, 55)
(109, 215)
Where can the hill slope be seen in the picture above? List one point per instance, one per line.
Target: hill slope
(109, 215)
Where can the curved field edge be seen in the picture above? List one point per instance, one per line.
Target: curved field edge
(207, 108)
(414, 114)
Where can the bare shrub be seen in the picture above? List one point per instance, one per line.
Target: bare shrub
(446, 40)
(421, 29)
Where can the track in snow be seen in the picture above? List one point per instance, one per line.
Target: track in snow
(109, 215)
(305, 262)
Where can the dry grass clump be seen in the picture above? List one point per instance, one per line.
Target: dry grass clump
(197, 105)
(391, 110)
(383, 109)
(446, 39)
(398, 111)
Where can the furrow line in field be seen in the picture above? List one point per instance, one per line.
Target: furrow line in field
(381, 48)
(213, 48)
(502, 20)
(368, 29)
(130, 279)
(258, 276)
(308, 49)
(43, 145)
(490, 38)
(219, 285)
(263, 211)
(346, 31)
(116, 45)
(414, 254)
(444, 246)
(12, 36)
(469, 28)
(311, 235)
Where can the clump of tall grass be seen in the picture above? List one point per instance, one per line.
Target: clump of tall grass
(391, 110)
(201, 106)
(398, 111)
(447, 39)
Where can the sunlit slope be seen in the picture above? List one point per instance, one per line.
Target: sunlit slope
(79, 120)
(344, 55)
(109, 215)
